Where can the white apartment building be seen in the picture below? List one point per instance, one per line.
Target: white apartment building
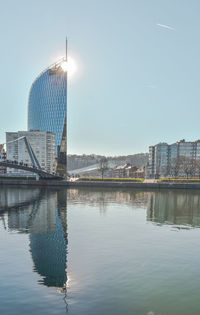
(163, 157)
(42, 143)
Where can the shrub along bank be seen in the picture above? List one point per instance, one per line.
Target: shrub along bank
(97, 179)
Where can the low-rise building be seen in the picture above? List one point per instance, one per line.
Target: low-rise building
(139, 173)
(119, 171)
(126, 171)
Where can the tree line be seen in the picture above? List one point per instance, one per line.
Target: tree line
(183, 167)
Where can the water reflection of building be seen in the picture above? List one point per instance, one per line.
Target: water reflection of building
(44, 217)
(174, 207)
(102, 197)
(34, 216)
(14, 196)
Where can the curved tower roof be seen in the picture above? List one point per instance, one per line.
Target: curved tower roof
(47, 103)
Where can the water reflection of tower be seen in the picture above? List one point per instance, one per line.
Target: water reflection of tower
(49, 248)
(44, 217)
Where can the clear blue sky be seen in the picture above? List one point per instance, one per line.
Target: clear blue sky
(138, 80)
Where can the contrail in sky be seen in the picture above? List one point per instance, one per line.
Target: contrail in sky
(166, 26)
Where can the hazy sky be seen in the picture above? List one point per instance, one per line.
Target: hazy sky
(139, 69)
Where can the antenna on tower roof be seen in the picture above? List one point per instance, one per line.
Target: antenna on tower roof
(66, 48)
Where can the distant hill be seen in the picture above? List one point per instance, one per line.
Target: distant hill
(80, 161)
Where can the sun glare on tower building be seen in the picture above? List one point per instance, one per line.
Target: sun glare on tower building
(47, 107)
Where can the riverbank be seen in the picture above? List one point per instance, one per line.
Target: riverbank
(76, 184)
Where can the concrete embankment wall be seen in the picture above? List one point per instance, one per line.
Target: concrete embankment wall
(135, 185)
(24, 182)
(55, 183)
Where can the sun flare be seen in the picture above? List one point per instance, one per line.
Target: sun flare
(69, 66)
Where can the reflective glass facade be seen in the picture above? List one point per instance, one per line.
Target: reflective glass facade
(47, 106)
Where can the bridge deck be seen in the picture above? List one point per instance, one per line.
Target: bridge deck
(40, 172)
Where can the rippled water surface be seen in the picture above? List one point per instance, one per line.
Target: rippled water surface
(108, 252)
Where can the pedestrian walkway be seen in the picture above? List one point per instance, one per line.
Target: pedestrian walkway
(149, 180)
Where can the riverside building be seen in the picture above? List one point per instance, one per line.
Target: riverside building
(2, 158)
(165, 159)
(47, 107)
(42, 143)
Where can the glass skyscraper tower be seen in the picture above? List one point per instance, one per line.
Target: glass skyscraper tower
(47, 108)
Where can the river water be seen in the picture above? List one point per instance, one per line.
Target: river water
(99, 252)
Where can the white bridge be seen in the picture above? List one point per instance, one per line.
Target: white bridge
(34, 168)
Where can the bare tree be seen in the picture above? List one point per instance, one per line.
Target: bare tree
(103, 166)
(197, 164)
(184, 166)
(187, 166)
(175, 167)
(193, 167)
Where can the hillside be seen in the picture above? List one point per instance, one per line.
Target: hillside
(80, 161)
